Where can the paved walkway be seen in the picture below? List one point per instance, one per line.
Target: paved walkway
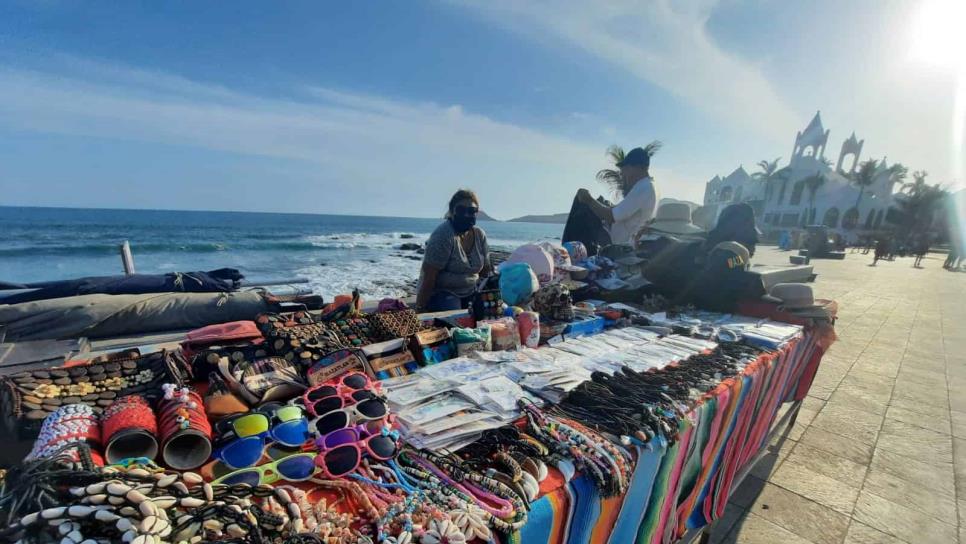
(878, 454)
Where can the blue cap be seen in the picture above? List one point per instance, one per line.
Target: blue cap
(636, 157)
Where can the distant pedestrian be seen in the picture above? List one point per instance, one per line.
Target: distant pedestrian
(882, 248)
(922, 247)
(953, 259)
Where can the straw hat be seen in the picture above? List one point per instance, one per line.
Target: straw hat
(674, 218)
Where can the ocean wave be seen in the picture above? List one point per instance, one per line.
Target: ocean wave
(388, 276)
(266, 242)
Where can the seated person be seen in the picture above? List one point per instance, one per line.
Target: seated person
(456, 256)
(640, 200)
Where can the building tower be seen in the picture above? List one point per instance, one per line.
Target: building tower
(853, 147)
(813, 138)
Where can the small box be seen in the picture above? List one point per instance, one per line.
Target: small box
(584, 326)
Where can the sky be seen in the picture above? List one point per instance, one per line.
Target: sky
(385, 108)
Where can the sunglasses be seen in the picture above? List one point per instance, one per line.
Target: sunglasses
(466, 210)
(350, 389)
(244, 435)
(293, 468)
(367, 410)
(341, 452)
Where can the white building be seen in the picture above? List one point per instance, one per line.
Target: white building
(797, 197)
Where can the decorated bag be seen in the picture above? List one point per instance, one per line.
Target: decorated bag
(299, 337)
(391, 325)
(553, 301)
(504, 334)
(433, 346)
(471, 340)
(336, 364)
(389, 359)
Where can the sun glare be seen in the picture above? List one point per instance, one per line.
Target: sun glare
(939, 33)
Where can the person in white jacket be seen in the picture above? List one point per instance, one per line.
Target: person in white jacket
(640, 200)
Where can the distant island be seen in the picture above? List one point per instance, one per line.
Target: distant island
(482, 216)
(561, 218)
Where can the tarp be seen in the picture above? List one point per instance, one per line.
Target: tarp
(103, 316)
(212, 281)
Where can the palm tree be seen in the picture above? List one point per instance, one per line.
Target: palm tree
(898, 173)
(918, 185)
(864, 177)
(916, 209)
(768, 176)
(612, 176)
(813, 183)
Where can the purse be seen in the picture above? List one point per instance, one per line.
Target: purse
(392, 325)
(433, 346)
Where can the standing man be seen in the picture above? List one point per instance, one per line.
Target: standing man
(640, 198)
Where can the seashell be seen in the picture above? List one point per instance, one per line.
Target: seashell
(117, 489)
(106, 516)
(188, 532)
(542, 471)
(148, 508)
(67, 540)
(53, 513)
(192, 478)
(164, 529)
(89, 541)
(195, 539)
(180, 487)
(429, 538)
(97, 499)
(128, 511)
(140, 472)
(209, 492)
(65, 528)
(167, 479)
(78, 491)
(124, 524)
(79, 511)
(184, 518)
(116, 501)
(75, 535)
(128, 535)
(143, 539)
(482, 532)
(147, 524)
(191, 502)
(135, 496)
(213, 525)
(164, 502)
(29, 519)
(404, 537)
(235, 530)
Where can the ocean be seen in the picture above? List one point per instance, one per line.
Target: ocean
(335, 253)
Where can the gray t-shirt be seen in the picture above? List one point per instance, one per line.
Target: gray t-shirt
(459, 271)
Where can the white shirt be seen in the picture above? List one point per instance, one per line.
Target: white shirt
(630, 214)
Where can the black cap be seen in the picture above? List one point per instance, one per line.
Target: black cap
(636, 157)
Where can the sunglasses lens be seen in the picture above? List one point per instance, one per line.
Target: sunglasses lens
(242, 453)
(372, 408)
(297, 467)
(341, 461)
(291, 433)
(250, 477)
(324, 406)
(382, 447)
(331, 422)
(355, 381)
(289, 413)
(360, 396)
(321, 392)
(250, 425)
(339, 437)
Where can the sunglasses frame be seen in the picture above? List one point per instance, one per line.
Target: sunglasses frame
(273, 467)
(353, 416)
(359, 441)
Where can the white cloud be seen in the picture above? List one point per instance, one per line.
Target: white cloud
(663, 42)
(356, 153)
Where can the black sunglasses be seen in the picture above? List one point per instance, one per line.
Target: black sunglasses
(467, 210)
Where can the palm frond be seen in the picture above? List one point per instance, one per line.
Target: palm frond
(653, 147)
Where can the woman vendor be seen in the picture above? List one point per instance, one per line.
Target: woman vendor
(456, 256)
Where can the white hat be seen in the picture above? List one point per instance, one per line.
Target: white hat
(674, 218)
(797, 298)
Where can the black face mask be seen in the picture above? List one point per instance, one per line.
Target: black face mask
(462, 223)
